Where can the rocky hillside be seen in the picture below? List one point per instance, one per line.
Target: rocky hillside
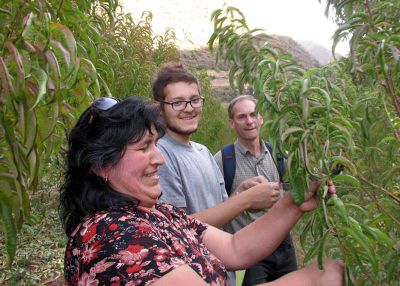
(190, 20)
(320, 53)
(201, 58)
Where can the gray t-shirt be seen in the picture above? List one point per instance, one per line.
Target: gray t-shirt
(190, 177)
(248, 166)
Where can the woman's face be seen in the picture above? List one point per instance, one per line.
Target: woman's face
(136, 174)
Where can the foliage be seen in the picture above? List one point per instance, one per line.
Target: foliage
(213, 131)
(332, 123)
(129, 54)
(41, 246)
(373, 29)
(55, 58)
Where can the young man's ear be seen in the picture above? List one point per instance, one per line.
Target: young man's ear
(159, 106)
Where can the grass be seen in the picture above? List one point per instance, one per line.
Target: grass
(40, 248)
(239, 277)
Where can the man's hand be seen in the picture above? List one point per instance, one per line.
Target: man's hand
(263, 195)
(247, 184)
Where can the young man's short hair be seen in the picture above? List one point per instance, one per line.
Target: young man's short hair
(171, 73)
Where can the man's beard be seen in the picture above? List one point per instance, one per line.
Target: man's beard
(180, 131)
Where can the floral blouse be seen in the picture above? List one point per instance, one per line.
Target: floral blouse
(131, 245)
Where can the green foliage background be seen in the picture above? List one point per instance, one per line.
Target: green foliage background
(340, 122)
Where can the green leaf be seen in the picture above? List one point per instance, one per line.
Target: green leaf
(381, 58)
(321, 250)
(10, 139)
(28, 24)
(392, 265)
(6, 83)
(69, 39)
(58, 47)
(361, 240)
(305, 231)
(4, 11)
(378, 235)
(343, 161)
(8, 227)
(55, 67)
(322, 92)
(311, 252)
(41, 78)
(348, 276)
(340, 209)
(347, 179)
(290, 131)
(29, 129)
(299, 185)
(17, 60)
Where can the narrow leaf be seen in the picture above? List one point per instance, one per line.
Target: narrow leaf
(41, 78)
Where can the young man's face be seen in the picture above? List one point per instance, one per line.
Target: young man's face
(186, 121)
(246, 121)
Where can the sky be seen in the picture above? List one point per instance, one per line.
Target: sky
(190, 19)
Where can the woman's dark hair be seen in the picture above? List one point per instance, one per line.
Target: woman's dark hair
(98, 140)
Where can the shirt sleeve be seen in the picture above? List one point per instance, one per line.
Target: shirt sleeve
(218, 159)
(170, 181)
(217, 165)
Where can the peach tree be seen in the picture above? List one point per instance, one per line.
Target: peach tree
(339, 122)
(55, 58)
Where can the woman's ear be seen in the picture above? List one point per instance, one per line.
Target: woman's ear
(102, 173)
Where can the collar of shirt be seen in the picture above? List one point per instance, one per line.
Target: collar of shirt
(243, 150)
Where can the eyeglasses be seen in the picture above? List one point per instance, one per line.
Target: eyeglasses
(181, 104)
(102, 103)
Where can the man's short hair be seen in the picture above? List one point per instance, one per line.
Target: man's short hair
(171, 73)
(236, 100)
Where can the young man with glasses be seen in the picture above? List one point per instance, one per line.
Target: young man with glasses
(190, 178)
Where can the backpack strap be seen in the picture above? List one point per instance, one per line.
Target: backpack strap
(280, 162)
(229, 166)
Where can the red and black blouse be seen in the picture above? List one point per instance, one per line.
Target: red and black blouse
(131, 245)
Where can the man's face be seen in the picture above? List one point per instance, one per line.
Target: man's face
(246, 121)
(184, 122)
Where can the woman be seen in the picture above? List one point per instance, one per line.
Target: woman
(119, 234)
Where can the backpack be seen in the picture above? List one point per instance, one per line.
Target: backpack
(229, 164)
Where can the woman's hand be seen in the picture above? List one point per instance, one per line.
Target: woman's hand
(310, 200)
(311, 275)
(332, 275)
